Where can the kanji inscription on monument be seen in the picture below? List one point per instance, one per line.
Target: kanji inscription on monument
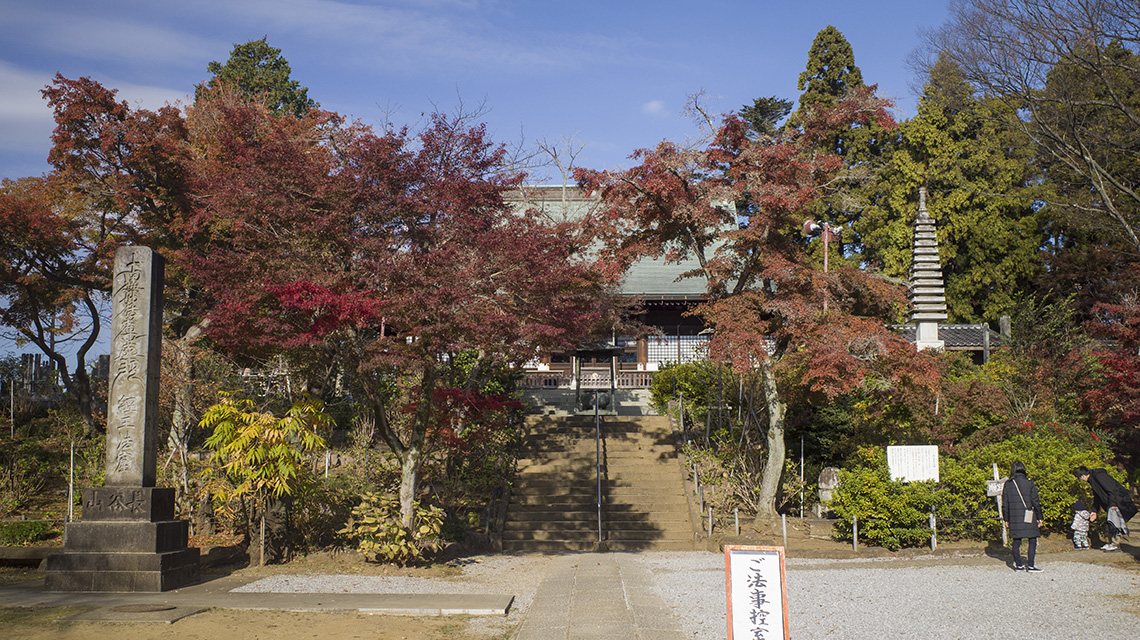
(136, 343)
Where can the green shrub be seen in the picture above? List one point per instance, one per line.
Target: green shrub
(25, 532)
(891, 514)
(701, 384)
(375, 526)
(896, 514)
(1049, 462)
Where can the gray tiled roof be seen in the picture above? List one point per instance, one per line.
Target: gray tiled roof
(649, 278)
(962, 337)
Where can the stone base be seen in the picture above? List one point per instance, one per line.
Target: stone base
(128, 541)
(121, 572)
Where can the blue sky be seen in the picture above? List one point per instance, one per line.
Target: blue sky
(612, 74)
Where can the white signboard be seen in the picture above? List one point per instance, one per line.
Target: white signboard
(913, 463)
(757, 595)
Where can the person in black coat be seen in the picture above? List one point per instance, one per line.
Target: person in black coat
(1110, 495)
(1021, 510)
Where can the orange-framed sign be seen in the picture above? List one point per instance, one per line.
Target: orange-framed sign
(757, 593)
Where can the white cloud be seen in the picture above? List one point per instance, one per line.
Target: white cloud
(92, 36)
(419, 36)
(654, 108)
(25, 119)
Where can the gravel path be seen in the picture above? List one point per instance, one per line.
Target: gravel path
(970, 597)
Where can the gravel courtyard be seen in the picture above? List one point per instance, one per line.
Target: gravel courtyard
(971, 596)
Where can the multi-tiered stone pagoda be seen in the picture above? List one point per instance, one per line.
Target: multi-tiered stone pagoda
(927, 292)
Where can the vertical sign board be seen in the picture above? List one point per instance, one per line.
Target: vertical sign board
(913, 463)
(757, 595)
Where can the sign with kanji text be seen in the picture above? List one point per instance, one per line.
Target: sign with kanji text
(913, 463)
(757, 594)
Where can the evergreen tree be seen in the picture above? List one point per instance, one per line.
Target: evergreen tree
(259, 72)
(978, 174)
(831, 70)
(764, 115)
(830, 76)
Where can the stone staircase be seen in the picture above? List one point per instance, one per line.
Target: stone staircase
(554, 502)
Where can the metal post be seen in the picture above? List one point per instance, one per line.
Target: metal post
(784, 522)
(933, 531)
(855, 534)
(71, 486)
(681, 411)
(1001, 516)
(826, 251)
(598, 460)
(736, 516)
(710, 519)
(802, 476)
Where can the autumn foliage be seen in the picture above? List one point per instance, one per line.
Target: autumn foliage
(734, 206)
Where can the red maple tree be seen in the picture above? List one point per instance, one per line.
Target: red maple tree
(385, 253)
(735, 208)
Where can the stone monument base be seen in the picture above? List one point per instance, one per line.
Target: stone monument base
(128, 541)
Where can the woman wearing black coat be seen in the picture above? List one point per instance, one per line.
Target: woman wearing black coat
(1110, 495)
(1021, 510)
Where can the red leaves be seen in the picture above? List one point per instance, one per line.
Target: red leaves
(316, 230)
(464, 418)
(765, 301)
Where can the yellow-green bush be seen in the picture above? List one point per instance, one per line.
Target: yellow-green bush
(376, 528)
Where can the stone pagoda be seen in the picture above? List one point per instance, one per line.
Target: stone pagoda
(927, 292)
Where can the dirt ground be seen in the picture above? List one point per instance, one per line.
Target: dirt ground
(40, 624)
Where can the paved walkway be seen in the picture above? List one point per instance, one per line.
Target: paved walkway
(597, 595)
(217, 594)
(582, 596)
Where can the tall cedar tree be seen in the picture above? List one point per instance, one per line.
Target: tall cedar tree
(258, 72)
(764, 300)
(389, 251)
(979, 174)
(830, 76)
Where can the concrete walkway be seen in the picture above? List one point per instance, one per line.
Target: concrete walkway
(581, 597)
(218, 594)
(597, 595)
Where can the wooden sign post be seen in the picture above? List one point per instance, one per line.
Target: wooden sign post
(757, 593)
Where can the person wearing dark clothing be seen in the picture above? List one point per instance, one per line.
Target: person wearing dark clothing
(1021, 510)
(1110, 495)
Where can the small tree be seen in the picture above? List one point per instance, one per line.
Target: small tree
(263, 456)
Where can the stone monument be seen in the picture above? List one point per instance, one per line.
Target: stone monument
(128, 539)
(927, 293)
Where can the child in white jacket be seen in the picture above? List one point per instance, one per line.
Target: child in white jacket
(1080, 526)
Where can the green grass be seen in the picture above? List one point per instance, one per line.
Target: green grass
(36, 616)
(19, 575)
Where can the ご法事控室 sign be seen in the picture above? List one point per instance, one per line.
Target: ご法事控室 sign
(757, 595)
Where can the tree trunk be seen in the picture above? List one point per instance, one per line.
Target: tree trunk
(774, 465)
(183, 418)
(411, 456)
(409, 479)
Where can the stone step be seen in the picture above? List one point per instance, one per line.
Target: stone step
(550, 546)
(589, 531)
(559, 546)
(614, 488)
(612, 512)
